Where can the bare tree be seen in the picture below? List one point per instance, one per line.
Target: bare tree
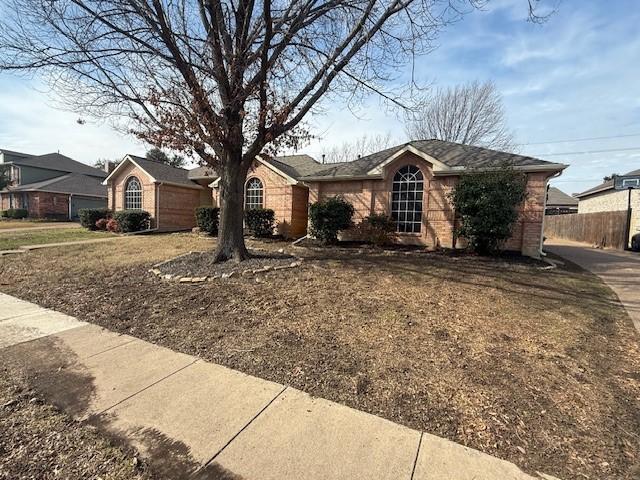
(158, 155)
(217, 79)
(471, 114)
(361, 146)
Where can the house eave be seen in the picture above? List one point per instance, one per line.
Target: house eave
(593, 192)
(195, 186)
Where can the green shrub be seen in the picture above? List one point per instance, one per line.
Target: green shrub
(328, 217)
(260, 221)
(90, 216)
(132, 220)
(15, 213)
(3, 214)
(377, 228)
(487, 205)
(207, 219)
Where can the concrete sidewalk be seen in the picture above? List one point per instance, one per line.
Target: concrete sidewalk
(45, 226)
(620, 270)
(194, 419)
(28, 248)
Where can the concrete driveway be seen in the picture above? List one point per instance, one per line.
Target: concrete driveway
(620, 270)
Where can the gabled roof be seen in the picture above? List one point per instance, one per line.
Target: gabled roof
(72, 183)
(14, 153)
(608, 185)
(158, 171)
(295, 166)
(555, 196)
(449, 156)
(60, 163)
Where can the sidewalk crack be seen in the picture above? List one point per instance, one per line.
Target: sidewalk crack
(415, 461)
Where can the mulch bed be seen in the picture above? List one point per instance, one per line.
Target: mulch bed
(201, 264)
(539, 367)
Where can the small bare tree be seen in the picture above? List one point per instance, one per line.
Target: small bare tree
(361, 146)
(471, 114)
(217, 79)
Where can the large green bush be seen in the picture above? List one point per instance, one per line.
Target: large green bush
(207, 219)
(132, 220)
(330, 216)
(486, 202)
(15, 213)
(260, 221)
(90, 216)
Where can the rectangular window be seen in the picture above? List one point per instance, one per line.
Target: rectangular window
(631, 182)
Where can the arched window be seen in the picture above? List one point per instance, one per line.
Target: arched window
(406, 199)
(133, 194)
(253, 194)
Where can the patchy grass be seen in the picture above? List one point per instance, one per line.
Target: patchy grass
(13, 240)
(6, 224)
(537, 367)
(38, 441)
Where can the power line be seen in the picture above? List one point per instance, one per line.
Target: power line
(585, 139)
(587, 152)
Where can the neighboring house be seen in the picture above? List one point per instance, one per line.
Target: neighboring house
(559, 203)
(605, 198)
(51, 185)
(409, 182)
(169, 194)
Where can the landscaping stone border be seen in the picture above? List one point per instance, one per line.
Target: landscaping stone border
(297, 261)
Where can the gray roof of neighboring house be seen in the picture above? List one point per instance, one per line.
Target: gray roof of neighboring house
(556, 196)
(56, 161)
(604, 185)
(13, 153)
(163, 172)
(73, 183)
(451, 154)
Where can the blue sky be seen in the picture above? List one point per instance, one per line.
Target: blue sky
(576, 76)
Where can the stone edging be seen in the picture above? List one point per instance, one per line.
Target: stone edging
(296, 262)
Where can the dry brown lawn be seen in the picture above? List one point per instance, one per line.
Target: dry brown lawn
(539, 367)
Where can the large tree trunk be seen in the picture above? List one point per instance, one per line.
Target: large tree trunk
(230, 233)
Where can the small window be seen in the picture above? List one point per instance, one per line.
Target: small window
(133, 194)
(406, 199)
(253, 194)
(630, 182)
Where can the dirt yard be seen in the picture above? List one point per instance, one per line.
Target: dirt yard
(539, 367)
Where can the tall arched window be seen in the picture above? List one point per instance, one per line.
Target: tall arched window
(406, 199)
(133, 194)
(253, 194)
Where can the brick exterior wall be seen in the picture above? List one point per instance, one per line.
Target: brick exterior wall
(172, 207)
(438, 217)
(39, 204)
(611, 201)
(289, 202)
(177, 207)
(116, 186)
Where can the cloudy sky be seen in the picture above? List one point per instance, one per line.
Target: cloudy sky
(575, 77)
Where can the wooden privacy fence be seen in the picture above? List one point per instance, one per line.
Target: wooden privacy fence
(606, 229)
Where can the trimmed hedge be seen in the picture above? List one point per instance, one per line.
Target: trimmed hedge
(90, 216)
(208, 219)
(260, 221)
(328, 217)
(15, 213)
(132, 220)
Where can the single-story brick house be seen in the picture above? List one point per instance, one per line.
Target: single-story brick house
(169, 194)
(51, 185)
(408, 182)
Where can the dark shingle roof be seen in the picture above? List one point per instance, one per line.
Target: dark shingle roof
(13, 153)
(296, 166)
(163, 172)
(556, 196)
(202, 172)
(61, 163)
(451, 154)
(74, 183)
(604, 185)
